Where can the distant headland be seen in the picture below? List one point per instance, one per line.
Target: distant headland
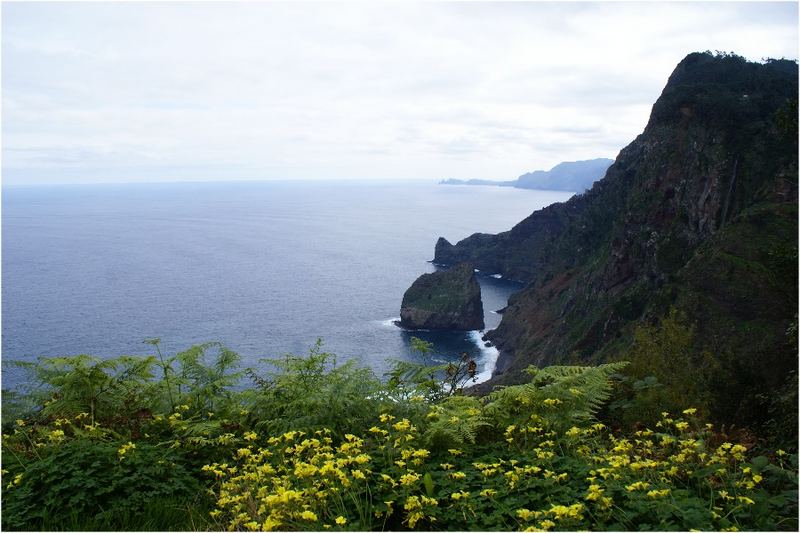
(574, 176)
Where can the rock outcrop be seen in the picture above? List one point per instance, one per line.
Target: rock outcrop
(445, 300)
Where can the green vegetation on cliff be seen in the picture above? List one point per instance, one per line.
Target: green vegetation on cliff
(698, 217)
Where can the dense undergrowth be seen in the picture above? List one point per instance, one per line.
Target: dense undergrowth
(155, 443)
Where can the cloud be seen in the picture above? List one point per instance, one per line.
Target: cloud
(152, 91)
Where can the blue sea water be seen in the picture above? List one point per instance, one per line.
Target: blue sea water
(265, 268)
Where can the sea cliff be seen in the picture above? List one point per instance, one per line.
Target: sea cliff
(697, 215)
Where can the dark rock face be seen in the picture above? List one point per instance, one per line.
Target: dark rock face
(698, 213)
(449, 300)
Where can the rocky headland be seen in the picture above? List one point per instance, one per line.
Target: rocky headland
(445, 300)
(572, 176)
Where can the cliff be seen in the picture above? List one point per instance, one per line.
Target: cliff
(449, 300)
(698, 214)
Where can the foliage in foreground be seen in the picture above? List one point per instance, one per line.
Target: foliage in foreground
(154, 443)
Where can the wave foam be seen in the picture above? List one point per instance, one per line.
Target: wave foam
(498, 276)
(390, 322)
(489, 357)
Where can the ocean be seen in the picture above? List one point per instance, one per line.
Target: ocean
(266, 268)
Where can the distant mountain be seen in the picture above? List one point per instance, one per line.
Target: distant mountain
(453, 181)
(568, 176)
(575, 176)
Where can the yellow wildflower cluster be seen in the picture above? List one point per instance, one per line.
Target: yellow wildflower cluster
(124, 449)
(298, 478)
(300, 481)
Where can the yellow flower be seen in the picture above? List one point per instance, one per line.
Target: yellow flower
(594, 492)
(639, 485)
(488, 493)
(250, 435)
(690, 411)
(409, 479)
(524, 514)
(125, 448)
(243, 452)
(20, 422)
(308, 515)
(403, 425)
(745, 499)
(340, 520)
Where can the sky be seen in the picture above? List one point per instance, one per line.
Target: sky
(146, 92)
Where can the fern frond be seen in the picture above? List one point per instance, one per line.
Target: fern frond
(458, 420)
(560, 395)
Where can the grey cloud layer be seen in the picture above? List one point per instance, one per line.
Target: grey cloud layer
(119, 92)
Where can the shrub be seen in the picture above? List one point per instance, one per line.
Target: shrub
(94, 479)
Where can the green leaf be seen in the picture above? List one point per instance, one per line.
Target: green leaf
(759, 462)
(428, 482)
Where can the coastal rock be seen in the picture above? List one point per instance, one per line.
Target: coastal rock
(445, 300)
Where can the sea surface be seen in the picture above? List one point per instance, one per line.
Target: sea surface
(265, 268)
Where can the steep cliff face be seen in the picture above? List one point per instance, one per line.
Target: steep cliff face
(698, 212)
(449, 300)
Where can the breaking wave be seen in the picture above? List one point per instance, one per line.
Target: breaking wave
(489, 355)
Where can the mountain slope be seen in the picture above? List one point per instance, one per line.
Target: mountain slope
(698, 213)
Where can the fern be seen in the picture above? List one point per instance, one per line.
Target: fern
(313, 392)
(207, 384)
(458, 420)
(106, 389)
(558, 395)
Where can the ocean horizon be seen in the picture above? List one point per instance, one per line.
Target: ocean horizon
(265, 268)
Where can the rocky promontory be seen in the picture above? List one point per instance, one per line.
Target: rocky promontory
(449, 299)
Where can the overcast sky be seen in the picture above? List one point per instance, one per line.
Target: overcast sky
(106, 92)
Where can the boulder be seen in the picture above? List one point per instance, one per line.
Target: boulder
(444, 300)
